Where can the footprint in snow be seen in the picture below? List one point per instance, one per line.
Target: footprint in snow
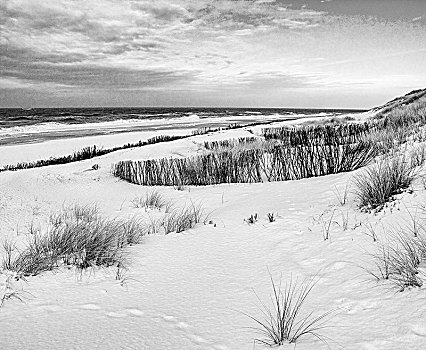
(337, 265)
(220, 347)
(135, 312)
(116, 314)
(196, 339)
(182, 325)
(175, 322)
(49, 308)
(168, 318)
(356, 306)
(186, 329)
(90, 307)
(419, 329)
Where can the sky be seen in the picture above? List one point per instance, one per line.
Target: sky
(219, 53)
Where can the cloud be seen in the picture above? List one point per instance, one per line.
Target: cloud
(89, 76)
(275, 80)
(58, 40)
(186, 45)
(238, 15)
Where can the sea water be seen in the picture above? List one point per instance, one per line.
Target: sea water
(21, 126)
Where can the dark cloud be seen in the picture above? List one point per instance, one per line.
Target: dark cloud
(162, 11)
(18, 62)
(87, 76)
(221, 14)
(240, 14)
(11, 55)
(15, 57)
(16, 65)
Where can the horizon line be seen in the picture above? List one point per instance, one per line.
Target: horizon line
(188, 107)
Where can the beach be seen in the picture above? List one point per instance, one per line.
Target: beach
(46, 137)
(212, 175)
(194, 289)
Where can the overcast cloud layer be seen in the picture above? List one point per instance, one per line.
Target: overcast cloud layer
(335, 53)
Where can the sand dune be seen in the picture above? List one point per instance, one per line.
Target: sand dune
(191, 290)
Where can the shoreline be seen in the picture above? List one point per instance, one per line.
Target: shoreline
(57, 145)
(36, 133)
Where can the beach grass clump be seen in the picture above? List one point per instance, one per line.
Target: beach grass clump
(400, 261)
(332, 120)
(294, 163)
(411, 113)
(77, 236)
(9, 248)
(153, 199)
(323, 134)
(408, 99)
(162, 138)
(179, 220)
(78, 213)
(391, 127)
(378, 183)
(134, 229)
(88, 152)
(82, 154)
(8, 290)
(205, 169)
(403, 121)
(418, 156)
(272, 217)
(285, 321)
(386, 139)
(252, 219)
(210, 129)
(242, 142)
(248, 165)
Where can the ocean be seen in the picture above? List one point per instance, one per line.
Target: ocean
(18, 126)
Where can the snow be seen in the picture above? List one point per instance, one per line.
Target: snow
(192, 290)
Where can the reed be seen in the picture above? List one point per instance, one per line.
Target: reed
(277, 163)
(90, 152)
(389, 128)
(328, 134)
(84, 153)
(244, 142)
(87, 153)
(207, 130)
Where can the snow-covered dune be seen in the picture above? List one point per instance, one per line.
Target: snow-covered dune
(193, 290)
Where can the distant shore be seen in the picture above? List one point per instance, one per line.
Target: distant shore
(27, 145)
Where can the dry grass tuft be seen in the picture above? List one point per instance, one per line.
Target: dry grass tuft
(378, 183)
(179, 220)
(77, 236)
(285, 321)
(400, 261)
(153, 199)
